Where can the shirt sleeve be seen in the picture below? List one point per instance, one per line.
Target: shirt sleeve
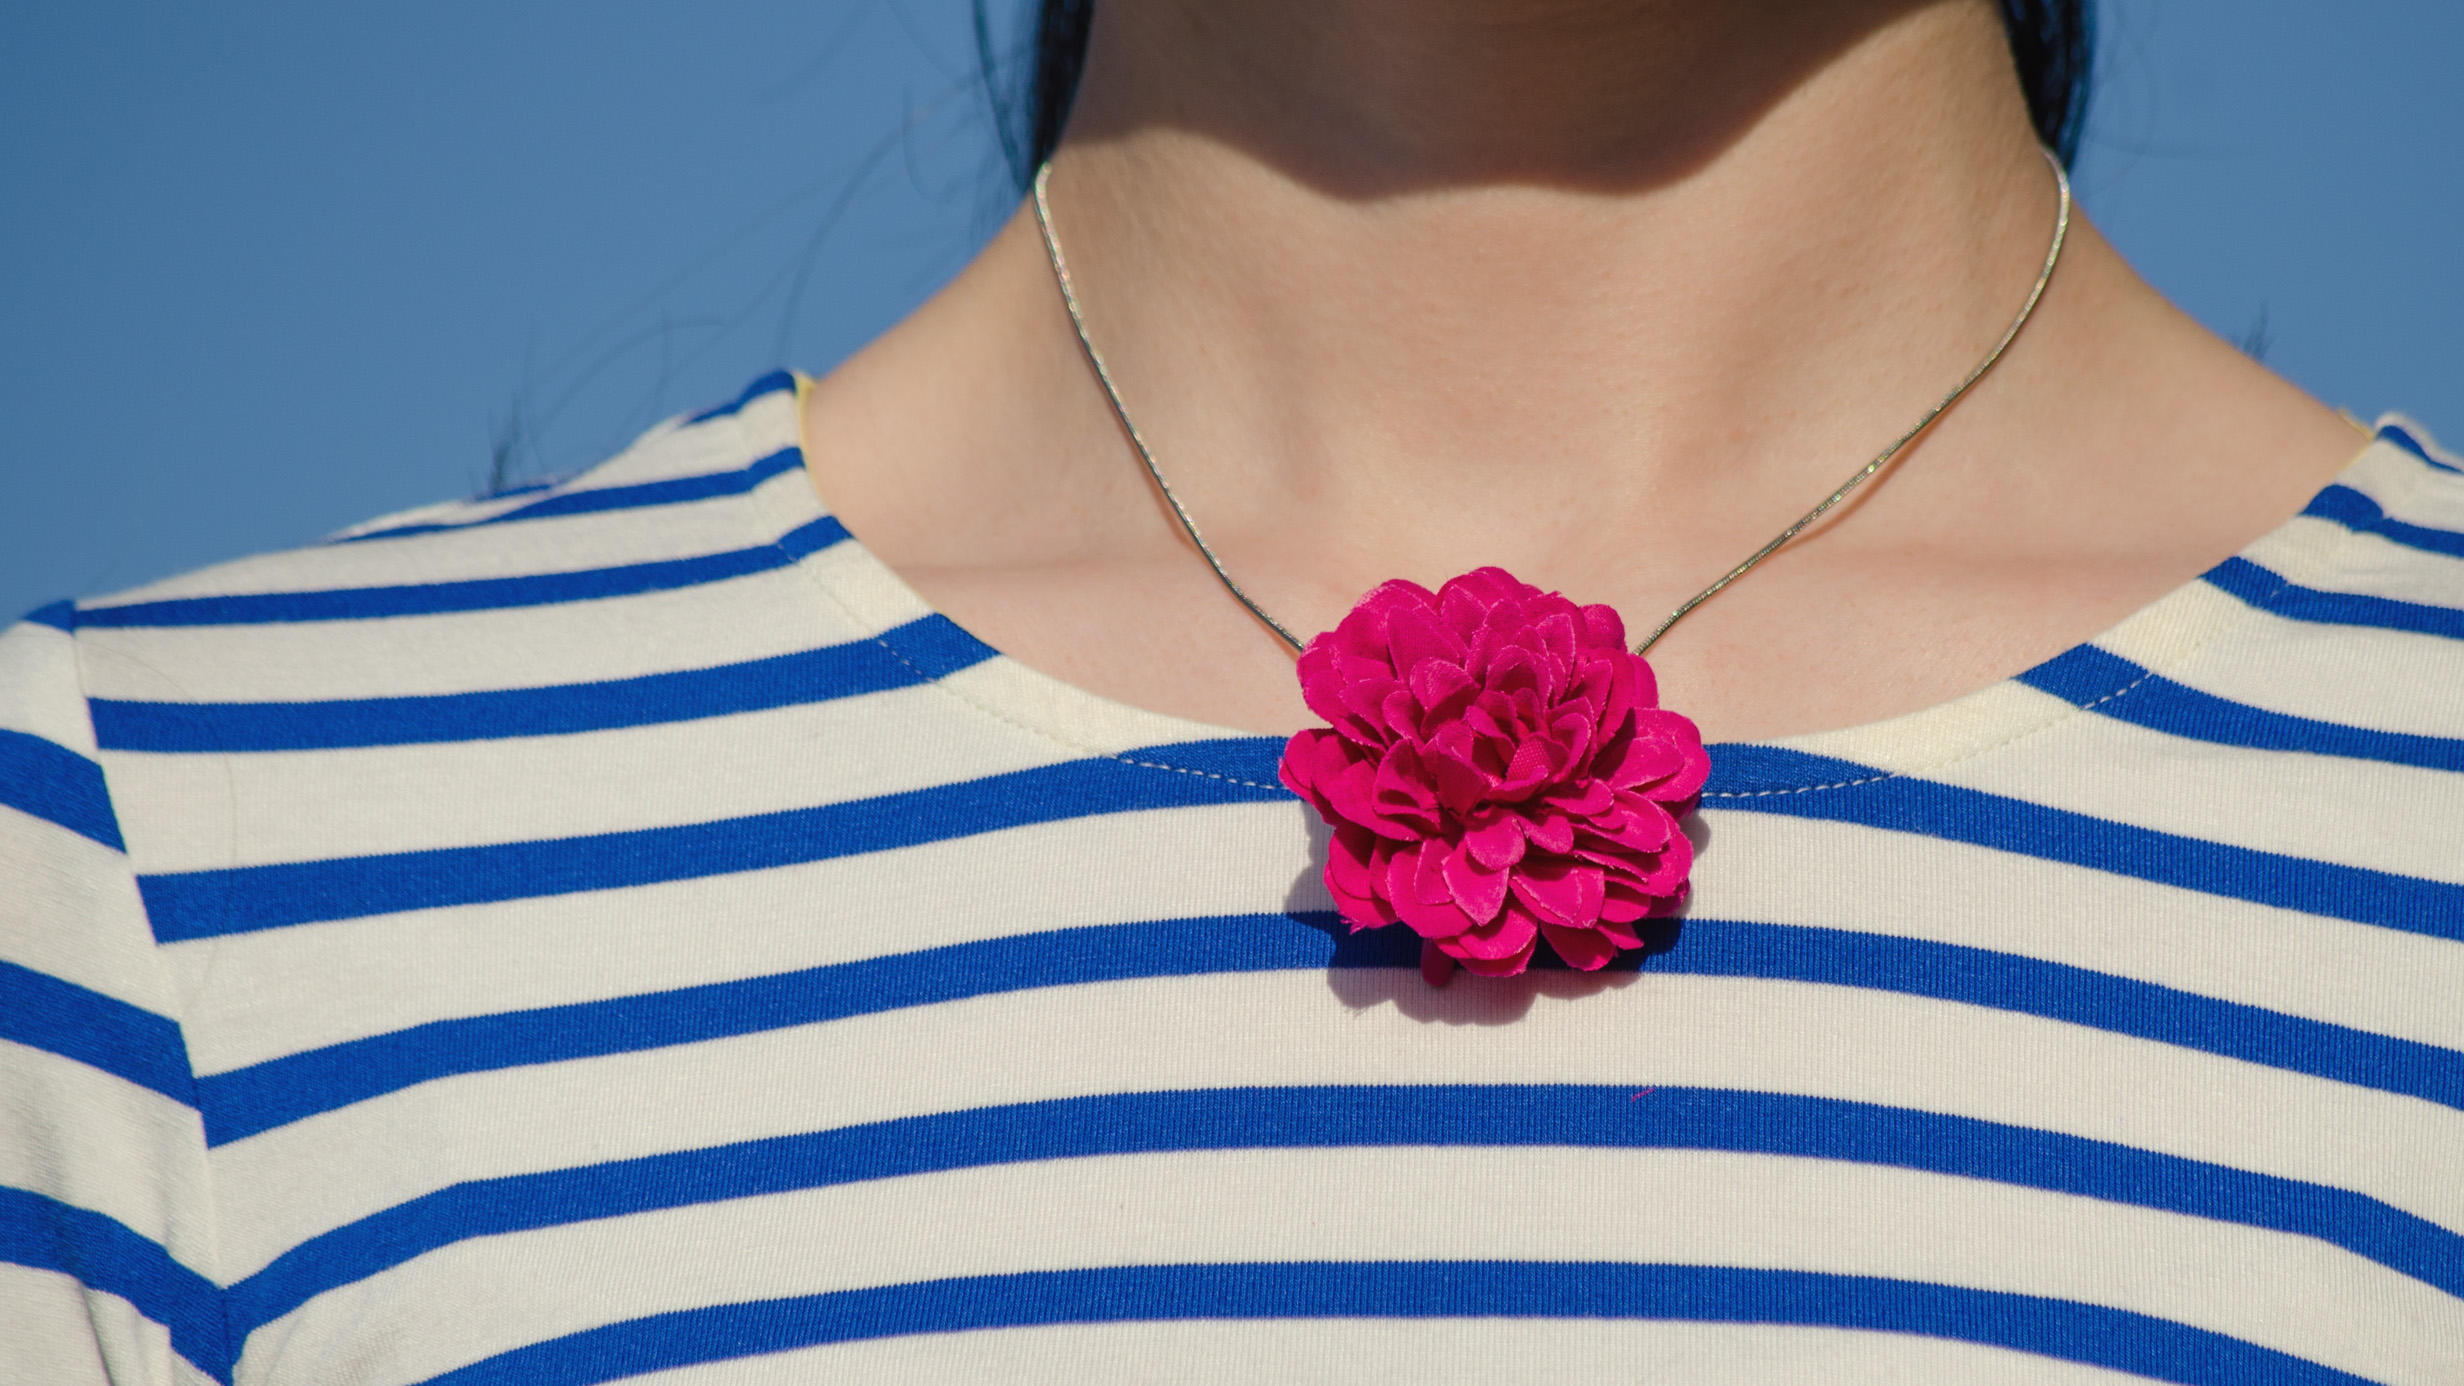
(107, 1264)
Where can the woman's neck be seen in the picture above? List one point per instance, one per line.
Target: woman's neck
(1605, 293)
(1388, 257)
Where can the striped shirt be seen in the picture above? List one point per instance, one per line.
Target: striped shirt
(619, 928)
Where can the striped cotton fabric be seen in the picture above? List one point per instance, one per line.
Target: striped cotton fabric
(619, 930)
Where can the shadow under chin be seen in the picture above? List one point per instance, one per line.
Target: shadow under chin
(1689, 84)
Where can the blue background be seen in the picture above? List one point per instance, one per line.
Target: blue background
(268, 269)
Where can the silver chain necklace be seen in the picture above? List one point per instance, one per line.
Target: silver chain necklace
(1146, 454)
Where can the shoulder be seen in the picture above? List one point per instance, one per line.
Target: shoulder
(532, 666)
(473, 592)
(661, 585)
(2349, 619)
(2381, 548)
(653, 500)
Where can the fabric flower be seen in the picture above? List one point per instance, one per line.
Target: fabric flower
(1496, 769)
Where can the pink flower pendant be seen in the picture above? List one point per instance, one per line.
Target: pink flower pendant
(1497, 768)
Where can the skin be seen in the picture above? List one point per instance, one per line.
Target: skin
(1605, 292)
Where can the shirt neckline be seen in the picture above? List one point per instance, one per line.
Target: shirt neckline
(2157, 638)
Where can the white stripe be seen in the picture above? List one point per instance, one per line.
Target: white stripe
(1007, 691)
(1985, 720)
(2398, 419)
(58, 1333)
(543, 547)
(2302, 669)
(2206, 640)
(38, 687)
(69, 908)
(667, 451)
(2291, 1293)
(466, 511)
(85, 1137)
(316, 805)
(2387, 680)
(846, 579)
(704, 626)
(1368, 1027)
(2396, 818)
(353, 978)
(1788, 871)
(2438, 503)
(2377, 566)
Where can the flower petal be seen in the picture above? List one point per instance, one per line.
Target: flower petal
(1512, 932)
(1480, 890)
(1366, 698)
(1440, 918)
(1355, 876)
(1533, 763)
(1414, 634)
(1404, 803)
(1445, 920)
(1581, 948)
(1622, 935)
(1498, 842)
(1298, 764)
(1560, 891)
(1550, 832)
(1511, 965)
(1603, 628)
(1460, 785)
(1346, 782)
(1585, 798)
(1680, 733)
(1556, 636)
(1444, 690)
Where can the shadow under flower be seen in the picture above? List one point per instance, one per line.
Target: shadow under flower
(1469, 999)
(1374, 967)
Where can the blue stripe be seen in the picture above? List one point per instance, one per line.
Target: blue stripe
(1212, 1119)
(243, 1102)
(769, 384)
(204, 904)
(2062, 1329)
(104, 1254)
(2412, 445)
(57, 785)
(2247, 581)
(915, 653)
(63, 1018)
(480, 594)
(2111, 686)
(58, 616)
(2075, 995)
(247, 1101)
(646, 494)
(2355, 511)
(1766, 779)
(1747, 778)
(675, 491)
